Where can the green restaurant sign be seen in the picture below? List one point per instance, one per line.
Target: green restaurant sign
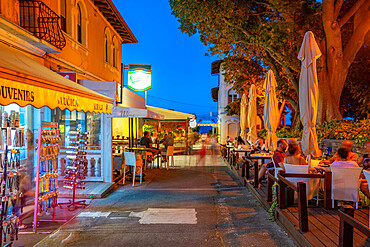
(139, 80)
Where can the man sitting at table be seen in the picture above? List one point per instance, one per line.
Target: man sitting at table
(343, 159)
(351, 156)
(147, 142)
(278, 158)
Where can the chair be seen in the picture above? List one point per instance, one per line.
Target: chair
(147, 163)
(345, 183)
(277, 169)
(130, 160)
(367, 176)
(312, 184)
(168, 154)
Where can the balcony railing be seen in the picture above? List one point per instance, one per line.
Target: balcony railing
(42, 22)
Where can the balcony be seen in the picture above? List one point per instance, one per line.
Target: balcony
(42, 22)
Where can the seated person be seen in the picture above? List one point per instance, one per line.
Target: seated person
(351, 156)
(164, 138)
(343, 159)
(294, 157)
(169, 141)
(364, 187)
(259, 146)
(278, 158)
(235, 142)
(366, 155)
(147, 142)
(290, 141)
(240, 141)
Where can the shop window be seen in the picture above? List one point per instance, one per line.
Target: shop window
(11, 109)
(73, 120)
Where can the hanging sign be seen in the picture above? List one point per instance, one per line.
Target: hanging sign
(139, 80)
(69, 75)
(193, 123)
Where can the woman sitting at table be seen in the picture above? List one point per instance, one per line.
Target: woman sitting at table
(259, 146)
(294, 157)
(240, 141)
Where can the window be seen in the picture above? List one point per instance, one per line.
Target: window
(115, 53)
(79, 24)
(232, 96)
(114, 57)
(106, 49)
(63, 15)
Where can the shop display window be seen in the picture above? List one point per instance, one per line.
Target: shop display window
(73, 120)
(14, 108)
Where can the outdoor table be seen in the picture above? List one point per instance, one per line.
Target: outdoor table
(136, 149)
(256, 157)
(228, 152)
(243, 150)
(246, 153)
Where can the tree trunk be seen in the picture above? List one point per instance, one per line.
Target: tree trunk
(328, 100)
(296, 122)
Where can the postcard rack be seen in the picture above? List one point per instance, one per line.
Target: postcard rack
(46, 194)
(11, 139)
(76, 168)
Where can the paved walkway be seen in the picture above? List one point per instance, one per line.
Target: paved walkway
(199, 203)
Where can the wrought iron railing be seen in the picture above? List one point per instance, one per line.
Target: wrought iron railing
(42, 22)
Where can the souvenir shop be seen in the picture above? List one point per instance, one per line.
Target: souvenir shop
(50, 128)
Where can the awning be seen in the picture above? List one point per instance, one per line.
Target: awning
(170, 114)
(126, 112)
(26, 82)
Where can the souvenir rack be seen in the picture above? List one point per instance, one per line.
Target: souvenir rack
(46, 194)
(11, 139)
(76, 169)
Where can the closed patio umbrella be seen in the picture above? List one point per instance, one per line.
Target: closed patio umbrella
(243, 116)
(252, 115)
(271, 111)
(309, 94)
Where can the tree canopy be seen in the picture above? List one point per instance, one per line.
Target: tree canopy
(252, 36)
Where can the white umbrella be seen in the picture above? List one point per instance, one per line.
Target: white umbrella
(309, 94)
(243, 116)
(252, 115)
(271, 111)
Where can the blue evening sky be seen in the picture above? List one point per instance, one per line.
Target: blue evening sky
(181, 71)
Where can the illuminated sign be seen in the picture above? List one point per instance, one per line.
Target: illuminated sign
(193, 123)
(139, 80)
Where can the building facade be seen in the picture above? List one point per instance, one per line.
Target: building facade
(78, 39)
(227, 125)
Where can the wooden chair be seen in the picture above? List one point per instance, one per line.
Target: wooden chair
(130, 160)
(168, 154)
(345, 183)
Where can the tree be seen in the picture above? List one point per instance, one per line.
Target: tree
(269, 33)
